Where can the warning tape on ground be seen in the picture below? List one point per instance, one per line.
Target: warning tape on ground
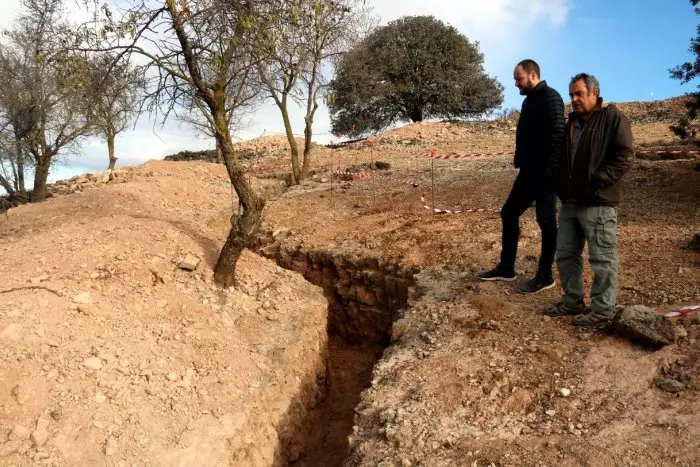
(352, 175)
(365, 175)
(447, 211)
(683, 311)
(434, 155)
(681, 152)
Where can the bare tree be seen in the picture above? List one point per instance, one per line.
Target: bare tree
(198, 51)
(303, 37)
(116, 92)
(11, 164)
(46, 102)
(15, 116)
(236, 118)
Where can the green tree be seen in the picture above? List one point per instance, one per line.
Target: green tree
(414, 68)
(687, 126)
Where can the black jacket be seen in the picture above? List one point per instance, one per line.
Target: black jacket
(603, 155)
(540, 131)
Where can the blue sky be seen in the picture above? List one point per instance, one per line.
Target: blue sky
(629, 45)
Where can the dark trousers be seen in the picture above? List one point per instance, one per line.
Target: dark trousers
(529, 188)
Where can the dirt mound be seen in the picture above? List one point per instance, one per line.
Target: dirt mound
(652, 120)
(207, 155)
(269, 145)
(666, 111)
(444, 133)
(112, 354)
(249, 150)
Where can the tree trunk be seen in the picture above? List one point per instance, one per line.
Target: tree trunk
(311, 107)
(21, 185)
(217, 154)
(7, 186)
(307, 147)
(110, 149)
(308, 131)
(41, 174)
(416, 115)
(15, 178)
(20, 178)
(296, 171)
(243, 226)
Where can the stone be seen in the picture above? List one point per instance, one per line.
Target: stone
(551, 412)
(189, 262)
(645, 326)
(110, 447)
(41, 434)
(565, 392)
(92, 363)
(87, 310)
(669, 385)
(42, 424)
(82, 298)
(100, 398)
(13, 332)
(19, 432)
(21, 394)
(398, 329)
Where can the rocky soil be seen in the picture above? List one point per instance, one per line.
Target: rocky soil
(117, 349)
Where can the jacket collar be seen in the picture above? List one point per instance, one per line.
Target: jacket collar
(599, 108)
(541, 85)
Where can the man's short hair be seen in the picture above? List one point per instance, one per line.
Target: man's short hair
(530, 66)
(590, 81)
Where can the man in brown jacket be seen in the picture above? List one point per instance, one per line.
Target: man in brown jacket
(596, 154)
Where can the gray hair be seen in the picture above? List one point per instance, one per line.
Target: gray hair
(590, 81)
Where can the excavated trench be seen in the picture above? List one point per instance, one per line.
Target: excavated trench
(364, 296)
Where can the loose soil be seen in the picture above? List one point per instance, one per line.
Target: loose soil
(113, 355)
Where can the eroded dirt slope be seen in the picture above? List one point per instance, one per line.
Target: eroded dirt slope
(112, 355)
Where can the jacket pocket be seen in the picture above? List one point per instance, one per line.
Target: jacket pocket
(606, 231)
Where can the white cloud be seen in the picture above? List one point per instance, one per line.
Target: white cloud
(493, 23)
(504, 29)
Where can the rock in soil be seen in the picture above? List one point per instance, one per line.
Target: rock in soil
(645, 326)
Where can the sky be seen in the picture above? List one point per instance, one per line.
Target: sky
(628, 44)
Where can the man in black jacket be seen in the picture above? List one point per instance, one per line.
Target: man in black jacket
(596, 154)
(538, 141)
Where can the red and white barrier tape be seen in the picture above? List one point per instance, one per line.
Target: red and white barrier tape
(434, 155)
(683, 311)
(662, 151)
(353, 175)
(446, 211)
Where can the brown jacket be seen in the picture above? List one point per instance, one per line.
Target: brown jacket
(603, 155)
